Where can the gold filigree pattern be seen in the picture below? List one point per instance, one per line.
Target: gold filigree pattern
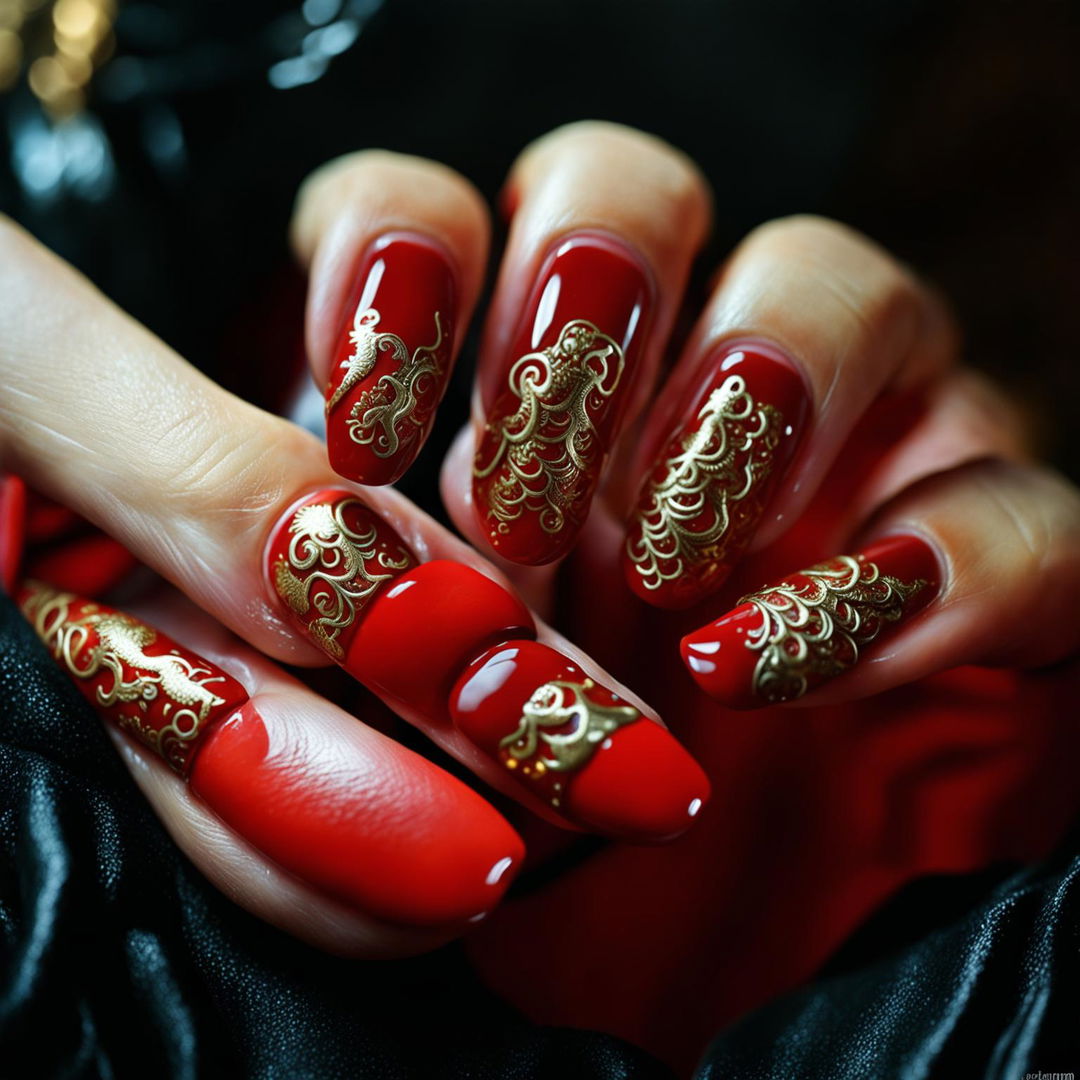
(705, 503)
(813, 627)
(546, 450)
(385, 417)
(179, 687)
(560, 730)
(367, 344)
(347, 564)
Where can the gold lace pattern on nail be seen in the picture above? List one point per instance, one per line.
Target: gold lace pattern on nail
(179, 687)
(548, 448)
(385, 416)
(815, 626)
(560, 730)
(349, 565)
(707, 501)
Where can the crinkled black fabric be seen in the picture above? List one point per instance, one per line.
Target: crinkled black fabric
(118, 959)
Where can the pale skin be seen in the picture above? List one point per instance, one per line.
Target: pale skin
(105, 418)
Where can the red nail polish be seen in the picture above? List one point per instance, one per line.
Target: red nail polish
(577, 745)
(786, 639)
(327, 559)
(566, 377)
(392, 361)
(352, 814)
(12, 529)
(140, 680)
(359, 818)
(427, 625)
(710, 486)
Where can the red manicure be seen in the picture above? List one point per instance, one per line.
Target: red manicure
(566, 377)
(786, 639)
(429, 638)
(710, 486)
(392, 361)
(576, 744)
(358, 818)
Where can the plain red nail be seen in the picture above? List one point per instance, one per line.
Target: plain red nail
(786, 639)
(12, 529)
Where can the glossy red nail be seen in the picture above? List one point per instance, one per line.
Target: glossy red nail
(577, 745)
(327, 559)
(138, 679)
(426, 626)
(392, 361)
(786, 639)
(12, 529)
(710, 486)
(356, 816)
(565, 380)
(348, 812)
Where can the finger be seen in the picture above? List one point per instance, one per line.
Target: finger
(606, 221)
(396, 248)
(369, 835)
(235, 507)
(809, 324)
(989, 554)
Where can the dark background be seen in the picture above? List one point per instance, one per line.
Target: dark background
(946, 131)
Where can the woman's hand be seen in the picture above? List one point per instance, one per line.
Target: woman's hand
(816, 409)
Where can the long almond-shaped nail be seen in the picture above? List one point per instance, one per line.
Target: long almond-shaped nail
(417, 633)
(12, 529)
(565, 380)
(392, 360)
(576, 744)
(786, 639)
(711, 484)
(324, 803)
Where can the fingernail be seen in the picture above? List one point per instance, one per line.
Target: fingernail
(392, 360)
(327, 559)
(709, 488)
(564, 384)
(787, 639)
(12, 530)
(417, 634)
(577, 745)
(357, 818)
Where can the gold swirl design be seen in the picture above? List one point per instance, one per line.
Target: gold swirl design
(718, 466)
(561, 729)
(816, 627)
(328, 552)
(182, 683)
(375, 417)
(548, 446)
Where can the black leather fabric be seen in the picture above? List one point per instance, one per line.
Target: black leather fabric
(117, 959)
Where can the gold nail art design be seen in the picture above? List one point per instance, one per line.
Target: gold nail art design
(388, 416)
(163, 698)
(547, 450)
(709, 497)
(349, 563)
(560, 730)
(814, 624)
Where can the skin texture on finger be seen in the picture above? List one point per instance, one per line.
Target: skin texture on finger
(396, 248)
(195, 483)
(980, 565)
(809, 324)
(605, 224)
